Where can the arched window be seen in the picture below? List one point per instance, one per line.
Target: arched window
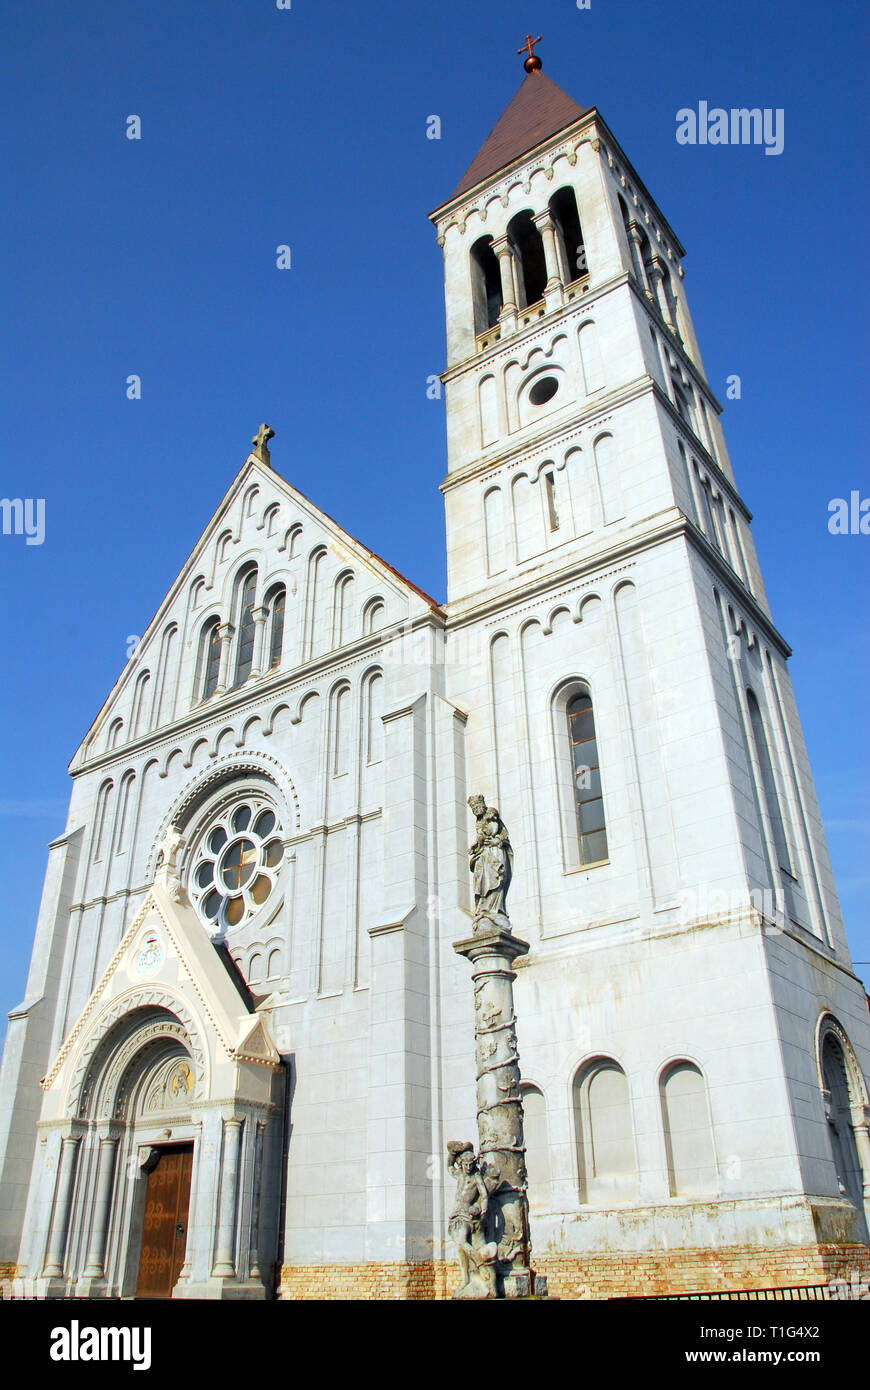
(100, 820)
(124, 811)
(485, 285)
(493, 523)
(223, 545)
(292, 541)
(137, 722)
(114, 733)
(569, 235)
(608, 469)
(270, 518)
(374, 615)
(342, 609)
(373, 708)
(537, 1148)
(162, 710)
(688, 1137)
(208, 660)
(340, 731)
(246, 594)
(606, 1160)
(590, 357)
(646, 256)
(768, 783)
(276, 600)
(197, 592)
(843, 1110)
(314, 639)
(549, 482)
(632, 249)
(529, 252)
(586, 773)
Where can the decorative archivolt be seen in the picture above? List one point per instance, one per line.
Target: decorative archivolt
(828, 1025)
(97, 1030)
(110, 1080)
(233, 766)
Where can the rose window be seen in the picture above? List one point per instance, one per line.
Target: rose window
(236, 867)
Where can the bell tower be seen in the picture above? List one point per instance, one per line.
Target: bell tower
(629, 710)
(569, 340)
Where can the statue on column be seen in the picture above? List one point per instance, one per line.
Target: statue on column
(466, 1226)
(168, 865)
(491, 860)
(490, 1220)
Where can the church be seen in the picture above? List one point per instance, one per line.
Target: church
(247, 1040)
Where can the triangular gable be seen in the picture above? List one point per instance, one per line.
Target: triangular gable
(253, 471)
(166, 947)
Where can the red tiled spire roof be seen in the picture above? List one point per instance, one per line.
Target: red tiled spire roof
(538, 110)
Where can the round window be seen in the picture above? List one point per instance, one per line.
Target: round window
(235, 868)
(543, 390)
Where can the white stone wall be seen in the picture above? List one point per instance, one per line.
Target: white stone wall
(595, 541)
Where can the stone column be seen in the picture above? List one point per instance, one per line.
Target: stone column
(553, 288)
(508, 316)
(861, 1131)
(254, 1264)
(637, 252)
(657, 276)
(225, 632)
(102, 1206)
(499, 1102)
(224, 1265)
(53, 1267)
(259, 615)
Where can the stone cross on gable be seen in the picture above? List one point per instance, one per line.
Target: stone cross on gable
(260, 442)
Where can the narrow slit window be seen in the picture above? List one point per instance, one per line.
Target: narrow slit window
(552, 511)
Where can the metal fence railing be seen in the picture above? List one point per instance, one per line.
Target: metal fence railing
(801, 1293)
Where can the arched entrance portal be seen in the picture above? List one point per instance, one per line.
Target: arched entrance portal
(157, 1129)
(139, 1096)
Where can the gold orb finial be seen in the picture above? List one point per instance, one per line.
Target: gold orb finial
(533, 62)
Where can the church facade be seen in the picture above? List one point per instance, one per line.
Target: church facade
(246, 1038)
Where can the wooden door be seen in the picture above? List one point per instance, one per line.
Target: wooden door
(164, 1232)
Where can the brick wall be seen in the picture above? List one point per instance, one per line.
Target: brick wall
(427, 1280)
(592, 1276)
(698, 1271)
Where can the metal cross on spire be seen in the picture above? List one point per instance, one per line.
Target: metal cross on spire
(533, 62)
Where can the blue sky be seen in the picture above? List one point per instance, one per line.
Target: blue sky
(262, 127)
